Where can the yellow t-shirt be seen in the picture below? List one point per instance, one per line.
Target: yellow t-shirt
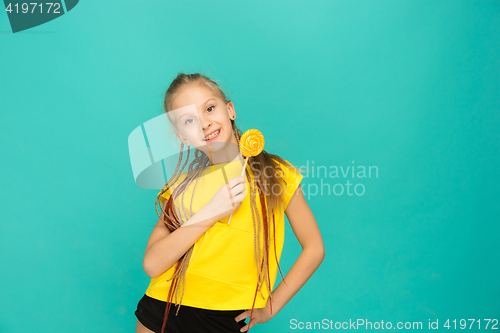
(222, 272)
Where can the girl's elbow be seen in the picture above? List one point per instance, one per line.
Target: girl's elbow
(321, 253)
(317, 251)
(149, 268)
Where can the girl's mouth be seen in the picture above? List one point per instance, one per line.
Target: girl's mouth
(213, 136)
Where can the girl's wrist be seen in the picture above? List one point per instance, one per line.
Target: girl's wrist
(203, 216)
(275, 308)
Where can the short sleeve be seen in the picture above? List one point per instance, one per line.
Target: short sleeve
(292, 181)
(165, 195)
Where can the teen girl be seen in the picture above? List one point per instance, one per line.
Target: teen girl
(223, 273)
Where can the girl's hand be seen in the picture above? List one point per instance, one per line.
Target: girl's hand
(228, 198)
(259, 316)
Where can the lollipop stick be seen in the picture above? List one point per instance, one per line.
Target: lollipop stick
(242, 172)
(244, 166)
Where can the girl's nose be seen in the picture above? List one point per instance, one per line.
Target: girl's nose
(205, 123)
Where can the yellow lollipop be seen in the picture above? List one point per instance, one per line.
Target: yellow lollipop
(251, 144)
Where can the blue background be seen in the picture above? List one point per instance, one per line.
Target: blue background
(411, 87)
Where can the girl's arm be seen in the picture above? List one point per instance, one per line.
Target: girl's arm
(307, 232)
(165, 248)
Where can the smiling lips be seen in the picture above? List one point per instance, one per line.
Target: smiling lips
(212, 135)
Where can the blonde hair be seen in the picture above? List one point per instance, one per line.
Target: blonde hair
(263, 184)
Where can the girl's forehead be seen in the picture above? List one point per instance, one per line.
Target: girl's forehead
(192, 94)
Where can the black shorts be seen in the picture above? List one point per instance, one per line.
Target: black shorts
(150, 313)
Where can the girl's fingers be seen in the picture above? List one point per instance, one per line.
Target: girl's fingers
(239, 197)
(242, 316)
(247, 327)
(238, 189)
(235, 181)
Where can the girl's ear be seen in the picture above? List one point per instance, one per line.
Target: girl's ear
(182, 138)
(231, 111)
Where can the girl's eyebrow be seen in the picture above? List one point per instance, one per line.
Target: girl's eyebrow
(208, 100)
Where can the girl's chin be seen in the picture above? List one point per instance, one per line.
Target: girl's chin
(214, 146)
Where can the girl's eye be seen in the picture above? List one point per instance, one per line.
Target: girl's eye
(189, 121)
(210, 108)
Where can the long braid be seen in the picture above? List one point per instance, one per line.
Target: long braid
(196, 168)
(267, 234)
(264, 264)
(174, 222)
(198, 160)
(266, 242)
(256, 226)
(169, 183)
(255, 212)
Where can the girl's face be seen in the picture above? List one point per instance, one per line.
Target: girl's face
(202, 119)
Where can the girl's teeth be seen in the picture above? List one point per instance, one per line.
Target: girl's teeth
(213, 135)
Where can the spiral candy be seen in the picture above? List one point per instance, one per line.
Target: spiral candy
(251, 143)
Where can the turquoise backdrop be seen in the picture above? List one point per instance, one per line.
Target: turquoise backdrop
(410, 88)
